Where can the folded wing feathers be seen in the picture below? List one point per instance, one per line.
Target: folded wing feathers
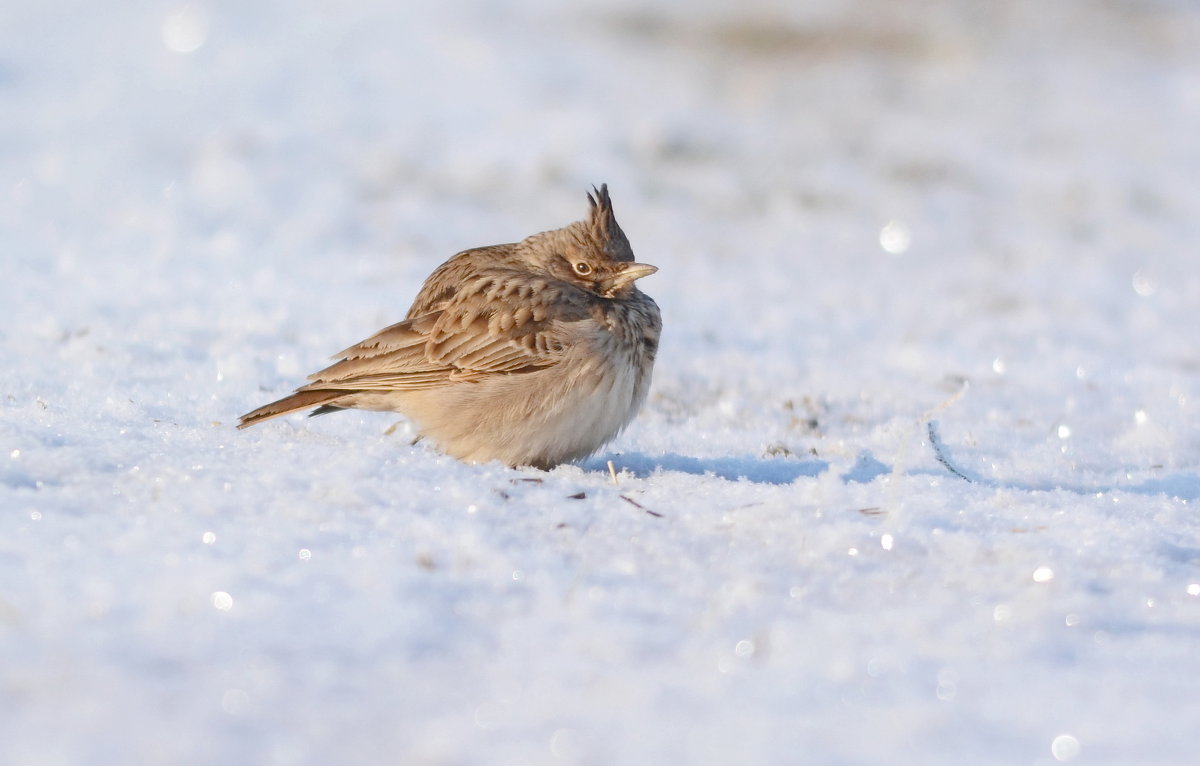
(397, 336)
(460, 340)
(401, 358)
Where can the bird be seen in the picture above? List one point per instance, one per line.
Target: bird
(534, 353)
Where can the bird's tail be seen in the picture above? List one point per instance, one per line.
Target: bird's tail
(301, 400)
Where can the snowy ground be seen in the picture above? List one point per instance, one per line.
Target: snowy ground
(867, 215)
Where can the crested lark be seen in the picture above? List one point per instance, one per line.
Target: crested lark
(534, 353)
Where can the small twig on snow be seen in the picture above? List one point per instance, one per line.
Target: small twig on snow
(636, 504)
(939, 451)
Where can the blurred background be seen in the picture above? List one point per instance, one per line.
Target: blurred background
(265, 129)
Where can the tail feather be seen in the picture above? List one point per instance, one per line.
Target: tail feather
(301, 400)
(325, 409)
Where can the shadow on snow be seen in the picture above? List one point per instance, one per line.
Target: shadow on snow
(867, 468)
(730, 468)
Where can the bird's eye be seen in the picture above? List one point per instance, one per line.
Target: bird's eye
(583, 268)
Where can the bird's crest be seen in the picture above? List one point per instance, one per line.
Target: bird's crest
(602, 222)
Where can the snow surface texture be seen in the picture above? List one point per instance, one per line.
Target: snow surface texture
(867, 215)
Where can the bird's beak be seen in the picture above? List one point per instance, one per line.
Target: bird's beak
(631, 272)
(637, 271)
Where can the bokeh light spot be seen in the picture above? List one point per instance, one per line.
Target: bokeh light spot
(1064, 747)
(185, 29)
(1143, 284)
(895, 238)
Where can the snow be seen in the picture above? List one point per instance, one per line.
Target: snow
(868, 216)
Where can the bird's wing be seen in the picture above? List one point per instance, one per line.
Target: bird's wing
(497, 323)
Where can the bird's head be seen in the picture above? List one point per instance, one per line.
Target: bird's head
(593, 254)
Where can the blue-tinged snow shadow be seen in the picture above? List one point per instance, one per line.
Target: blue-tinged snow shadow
(866, 469)
(755, 470)
(1185, 486)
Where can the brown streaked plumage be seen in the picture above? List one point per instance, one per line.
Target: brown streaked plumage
(533, 353)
